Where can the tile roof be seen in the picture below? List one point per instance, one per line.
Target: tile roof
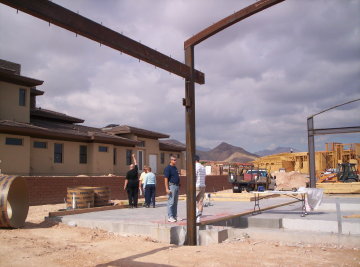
(62, 131)
(171, 145)
(34, 91)
(49, 114)
(125, 129)
(12, 77)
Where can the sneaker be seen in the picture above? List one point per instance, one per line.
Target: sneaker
(172, 219)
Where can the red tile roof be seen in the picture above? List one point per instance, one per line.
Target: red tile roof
(125, 129)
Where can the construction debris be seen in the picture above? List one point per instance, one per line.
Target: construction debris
(290, 180)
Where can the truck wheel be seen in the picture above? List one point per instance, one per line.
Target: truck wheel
(249, 189)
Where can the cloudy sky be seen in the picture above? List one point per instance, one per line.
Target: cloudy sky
(264, 75)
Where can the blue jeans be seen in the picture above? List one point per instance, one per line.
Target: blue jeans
(150, 194)
(173, 200)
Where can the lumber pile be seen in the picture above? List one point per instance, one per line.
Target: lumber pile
(340, 188)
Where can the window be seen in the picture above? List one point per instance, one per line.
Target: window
(22, 97)
(140, 159)
(128, 156)
(103, 149)
(58, 153)
(114, 157)
(83, 154)
(38, 144)
(13, 141)
(141, 144)
(162, 157)
(178, 156)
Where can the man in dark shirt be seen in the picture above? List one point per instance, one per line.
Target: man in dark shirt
(172, 182)
(132, 183)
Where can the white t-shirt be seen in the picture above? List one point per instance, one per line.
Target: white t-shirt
(200, 173)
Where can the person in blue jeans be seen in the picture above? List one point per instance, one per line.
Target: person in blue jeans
(149, 188)
(172, 183)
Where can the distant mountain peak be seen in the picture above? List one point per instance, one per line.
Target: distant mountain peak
(227, 152)
(276, 150)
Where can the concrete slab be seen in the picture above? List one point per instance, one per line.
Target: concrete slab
(152, 222)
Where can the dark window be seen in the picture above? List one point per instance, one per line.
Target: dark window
(114, 157)
(140, 159)
(14, 141)
(83, 154)
(141, 144)
(178, 156)
(22, 97)
(103, 149)
(58, 153)
(128, 156)
(38, 144)
(162, 157)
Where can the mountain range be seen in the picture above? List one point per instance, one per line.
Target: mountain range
(277, 150)
(230, 153)
(227, 152)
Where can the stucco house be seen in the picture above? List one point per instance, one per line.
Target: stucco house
(40, 142)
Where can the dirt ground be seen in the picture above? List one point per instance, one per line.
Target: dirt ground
(41, 243)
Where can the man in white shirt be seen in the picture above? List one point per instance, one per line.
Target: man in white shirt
(200, 187)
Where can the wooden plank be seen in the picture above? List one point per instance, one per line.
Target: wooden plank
(230, 20)
(225, 218)
(340, 188)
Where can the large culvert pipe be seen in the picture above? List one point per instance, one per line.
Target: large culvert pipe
(14, 201)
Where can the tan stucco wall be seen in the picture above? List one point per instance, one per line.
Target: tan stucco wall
(9, 103)
(28, 160)
(15, 159)
(151, 148)
(101, 163)
(120, 168)
(42, 159)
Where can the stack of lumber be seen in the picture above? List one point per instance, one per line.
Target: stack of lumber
(340, 188)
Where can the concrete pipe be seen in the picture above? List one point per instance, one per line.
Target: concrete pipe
(14, 201)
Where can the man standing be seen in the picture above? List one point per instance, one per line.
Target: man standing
(132, 184)
(172, 182)
(200, 187)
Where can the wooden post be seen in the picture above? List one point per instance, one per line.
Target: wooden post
(189, 103)
(311, 147)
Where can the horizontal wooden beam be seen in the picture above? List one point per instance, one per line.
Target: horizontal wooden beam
(230, 20)
(64, 18)
(353, 129)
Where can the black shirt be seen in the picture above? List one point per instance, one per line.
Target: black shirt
(132, 176)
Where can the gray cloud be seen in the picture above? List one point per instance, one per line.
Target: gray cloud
(264, 75)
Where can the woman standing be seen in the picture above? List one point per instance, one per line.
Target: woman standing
(150, 188)
(132, 184)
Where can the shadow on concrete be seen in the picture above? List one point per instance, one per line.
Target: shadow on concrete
(129, 261)
(43, 224)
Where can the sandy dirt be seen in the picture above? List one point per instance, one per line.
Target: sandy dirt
(41, 243)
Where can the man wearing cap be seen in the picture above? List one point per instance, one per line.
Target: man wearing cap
(200, 187)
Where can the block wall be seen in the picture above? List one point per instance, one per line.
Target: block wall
(53, 189)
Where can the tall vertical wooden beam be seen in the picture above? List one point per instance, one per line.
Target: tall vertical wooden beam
(311, 147)
(189, 103)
